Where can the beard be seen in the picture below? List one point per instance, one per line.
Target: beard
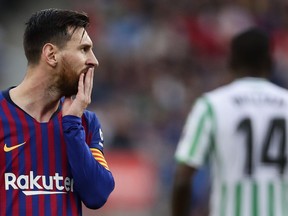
(68, 86)
(68, 80)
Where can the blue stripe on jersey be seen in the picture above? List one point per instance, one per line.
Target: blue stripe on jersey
(45, 158)
(21, 157)
(27, 154)
(8, 157)
(34, 162)
(58, 162)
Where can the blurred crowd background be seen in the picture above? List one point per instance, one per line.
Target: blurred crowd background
(156, 57)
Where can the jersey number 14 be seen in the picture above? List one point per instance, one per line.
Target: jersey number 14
(276, 127)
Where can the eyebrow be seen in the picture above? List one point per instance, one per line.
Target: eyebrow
(86, 46)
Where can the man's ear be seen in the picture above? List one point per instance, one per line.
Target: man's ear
(49, 53)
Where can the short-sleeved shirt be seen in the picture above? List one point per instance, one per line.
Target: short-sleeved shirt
(242, 129)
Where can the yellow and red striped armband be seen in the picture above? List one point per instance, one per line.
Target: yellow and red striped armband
(97, 154)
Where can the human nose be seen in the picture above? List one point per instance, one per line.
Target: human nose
(93, 60)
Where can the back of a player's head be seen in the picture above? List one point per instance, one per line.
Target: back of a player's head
(50, 26)
(250, 53)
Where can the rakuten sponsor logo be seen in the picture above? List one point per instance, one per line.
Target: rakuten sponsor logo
(38, 184)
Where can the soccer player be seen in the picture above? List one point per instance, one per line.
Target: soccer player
(51, 156)
(242, 129)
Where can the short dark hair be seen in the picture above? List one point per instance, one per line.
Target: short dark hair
(250, 52)
(50, 25)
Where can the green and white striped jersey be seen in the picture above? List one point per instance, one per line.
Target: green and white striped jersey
(242, 127)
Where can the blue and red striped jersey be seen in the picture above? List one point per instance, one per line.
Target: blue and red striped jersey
(47, 168)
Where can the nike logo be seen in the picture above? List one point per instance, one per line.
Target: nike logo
(8, 149)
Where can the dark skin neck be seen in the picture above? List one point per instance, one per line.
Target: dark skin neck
(240, 73)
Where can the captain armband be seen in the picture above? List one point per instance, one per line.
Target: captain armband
(98, 155)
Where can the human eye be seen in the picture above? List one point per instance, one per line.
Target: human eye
(84, 49)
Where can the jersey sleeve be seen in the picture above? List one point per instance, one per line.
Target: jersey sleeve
(197, 135)
(94, 137)
(92, 180)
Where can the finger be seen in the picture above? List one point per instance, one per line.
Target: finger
(81, 83)
(89, 82)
